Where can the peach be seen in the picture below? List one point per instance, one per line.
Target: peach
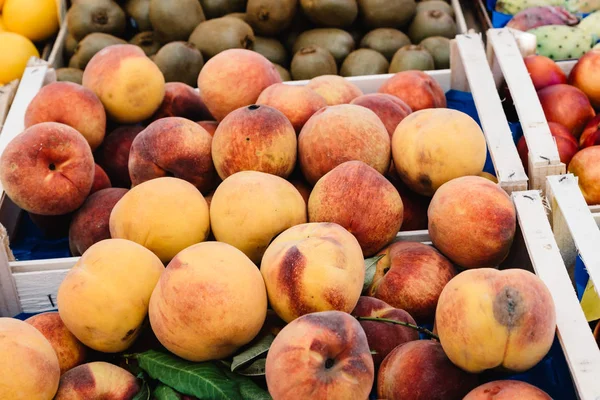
(97, 380)
(361, 200)
(565, 142)
(165, 215)
(90, 223)
(297, 103)
(323, 355)
(415, 205)
(585, 165)
(584, 76)
(313, 267)
(567, 106)
(182, 100)
(411, 276)
(417, 89)
(70, 351)
(70, 104)
(472, 221)
(173, 146)
(210, 301)
(254, 138)
(29, 367)
(274, 204)
(113, 154)
(507, 390)
(544, 71)
(109, 317)
(334, 89)
(235, 78)
(591, 133)
(488, 319)
(210, 126)
(390, 109)
(101, 179)
(419, 370)
(48, 169)
(433, 146)
(129, 85)
(341, 133)
(383, 337)
(488, 176)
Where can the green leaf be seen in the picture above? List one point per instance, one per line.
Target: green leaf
(205, 380)
(163, 392)
(144, 393)
(256, 368)
(370, 268)
(253, 352)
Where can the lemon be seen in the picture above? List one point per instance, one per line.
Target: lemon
(34, 19)
(15, 51)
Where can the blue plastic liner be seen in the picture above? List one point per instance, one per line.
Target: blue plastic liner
(581, 277)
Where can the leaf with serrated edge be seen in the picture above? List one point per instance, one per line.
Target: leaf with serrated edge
(256, 368)
(248, 389)
(163, 392)
(258, 349)
(370, 269)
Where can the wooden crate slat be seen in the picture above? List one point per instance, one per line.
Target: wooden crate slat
(577, 341)
(38, 290)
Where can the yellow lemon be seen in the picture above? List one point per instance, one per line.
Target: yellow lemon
(15, 51)
(34, 19)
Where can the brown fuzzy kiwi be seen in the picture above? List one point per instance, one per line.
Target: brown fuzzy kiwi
(431, 23)
(147, 41)
(338, 42)
(364, 62)
(174, 20)
(386, 14)
(386, 41)
(215, 35)
(284, 73)
(330, 13)
(74, 75)
(272, 49)
(180, 62)
(312, 61)
(439, 48)
(411, 57)
(219, 8)
(104, 16)
(270, 17)
(139, 11)
(89, 46)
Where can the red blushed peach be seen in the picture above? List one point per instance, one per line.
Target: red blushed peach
(322, 355)
(235, 78)
(334, 89)
(488, 319)
(383, 337)
(70, 351)
(90, 222)
(101, 179)
(113, 154)
(420, 370)
(183, 101)
(544, 71)
(565, 142)
(585, 165)
(415, 205)
(591, 133)
(361, 200)
(411, 276)
(210, 126)
(507, 390)
(173, 146)
(97, 380)
(297, 103)
(48, 169)
(472, 221)
(341, 133)
(70, 104)
(585, 76)
(390, 109)
(417, 89)
(255, 138)
(567, 106)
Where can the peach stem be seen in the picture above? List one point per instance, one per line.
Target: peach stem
(392, 321)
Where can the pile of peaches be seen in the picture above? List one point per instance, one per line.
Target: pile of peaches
(204, 212)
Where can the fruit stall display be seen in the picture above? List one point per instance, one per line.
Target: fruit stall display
(304, 38)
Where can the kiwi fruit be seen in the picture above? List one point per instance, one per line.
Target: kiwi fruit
(139, 11)
(239, 15)
(312, 61)
(90, 45)
(386, 14)
(270, 17)
(386, 41)
(330, 13)
(104, 16)
(439, 48)
(147, 41)
(74, 75)
(283, 73)
(180, 62)
(364, 62)
(435, 5)
(431, 23)
(175, 20)
(219, 8)
(70, 46)
(300, 23)
(411, 57)
(272, 49)
(338, 42)
(215, 35)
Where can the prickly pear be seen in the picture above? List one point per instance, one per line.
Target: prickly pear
(513, 7)
(541, 16)
(591, 24)
(582, 6)
(560, 42)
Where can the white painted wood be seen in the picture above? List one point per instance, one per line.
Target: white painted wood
(7, 94)
(458, 75)
(38, 290)
(53, 264)
(459, 17)
(57, 58)
(9, 298)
